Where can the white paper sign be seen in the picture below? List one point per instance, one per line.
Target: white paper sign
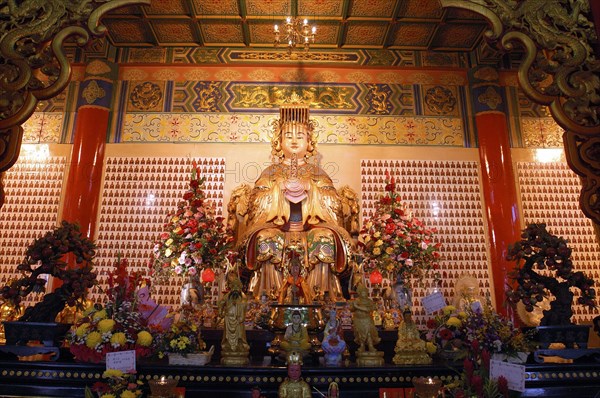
(434, 302)
(513, 373)
(121, 360)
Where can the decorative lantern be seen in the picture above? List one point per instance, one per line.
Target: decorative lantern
(208, 275)
(375, 278)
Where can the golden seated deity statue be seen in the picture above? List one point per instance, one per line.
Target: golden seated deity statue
(294, 210)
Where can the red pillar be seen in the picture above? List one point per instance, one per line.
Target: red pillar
(498, 178)
(82, 193)
(87, 158)
(85, 169)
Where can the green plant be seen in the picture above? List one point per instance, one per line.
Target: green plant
(544, 268)
(183, 337)
(49, 255)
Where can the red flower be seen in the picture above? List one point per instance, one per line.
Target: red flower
(475, 346)
(468, 368)
(431, 324)
(100, 387)
(485, 359)
(446, 334)
(477, 384)
(503, 386)
(192, 223)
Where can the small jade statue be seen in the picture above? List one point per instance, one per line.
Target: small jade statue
(333, 344)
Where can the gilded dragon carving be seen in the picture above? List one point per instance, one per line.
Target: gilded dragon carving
(559, 70)
(33, 65)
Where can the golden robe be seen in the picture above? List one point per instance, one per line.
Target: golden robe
(297, 211)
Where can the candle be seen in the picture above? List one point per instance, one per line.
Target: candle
(163, 380)
(276, 28)
(427, 387)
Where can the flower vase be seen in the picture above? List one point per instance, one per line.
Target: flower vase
(194, 359)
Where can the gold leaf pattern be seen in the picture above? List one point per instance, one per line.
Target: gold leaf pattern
(93, 92)
(43, 127)
(97, 67)
(223, 127)
(541, 133)
(134, 74)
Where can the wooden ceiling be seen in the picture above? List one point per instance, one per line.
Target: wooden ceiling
(350, 24)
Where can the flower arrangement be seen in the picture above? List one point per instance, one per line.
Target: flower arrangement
(48, 255)
(116, 326)
(395, 241)
(475, 381)
(194, 238)
(183, 337)
(538, 255)
(445, 333)
(118, 385)
(493, 332)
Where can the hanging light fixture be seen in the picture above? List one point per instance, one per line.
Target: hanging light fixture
(295, 33)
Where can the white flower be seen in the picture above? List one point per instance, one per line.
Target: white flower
(408, 262)
(182, 257)
(423, 245)
(497, 345)
(178, 270)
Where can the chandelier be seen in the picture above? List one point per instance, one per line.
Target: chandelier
(295, 32)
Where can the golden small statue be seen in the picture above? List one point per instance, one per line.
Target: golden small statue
(293, 386)
(292, 205)
(365, 332)
(295, 290)
(295, 340)
(466, 293)
(410, 348)
(232, 308)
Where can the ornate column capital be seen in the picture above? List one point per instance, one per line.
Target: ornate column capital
(559, 70)
(33, 65)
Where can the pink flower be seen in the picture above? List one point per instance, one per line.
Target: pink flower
(192, 271)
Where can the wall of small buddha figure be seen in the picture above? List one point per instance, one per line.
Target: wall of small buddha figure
(407, 113)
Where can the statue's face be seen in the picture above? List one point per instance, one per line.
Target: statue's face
(295, 271)
(294, 371)
(294, 140)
